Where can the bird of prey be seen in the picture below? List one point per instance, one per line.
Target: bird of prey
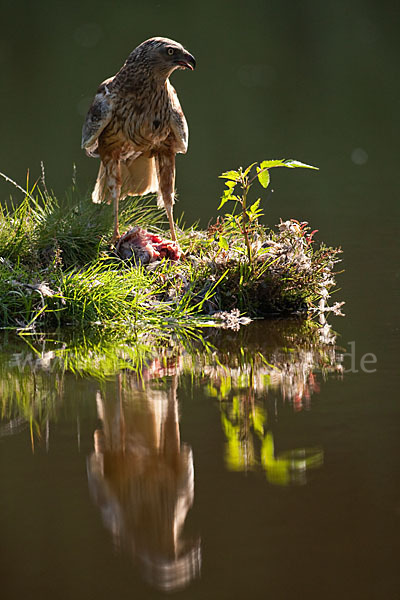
(136, 125)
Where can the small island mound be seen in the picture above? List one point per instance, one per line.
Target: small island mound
(57, 267)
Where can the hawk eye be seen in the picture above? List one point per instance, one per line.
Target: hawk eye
(170, 51)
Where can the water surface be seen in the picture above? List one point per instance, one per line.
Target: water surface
(214, 470)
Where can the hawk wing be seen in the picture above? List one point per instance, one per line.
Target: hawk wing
(98, 117)
(179, 127)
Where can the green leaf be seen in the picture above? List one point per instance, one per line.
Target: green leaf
(232, 175)
(247, 171)
(231, 184)
(255, 206)
(292, 164)
(226, 196)
(223, 201)
(223, 242)
(263, 176)
(268, 164)
(289, 162)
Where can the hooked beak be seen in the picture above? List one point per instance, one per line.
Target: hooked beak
(187, 61)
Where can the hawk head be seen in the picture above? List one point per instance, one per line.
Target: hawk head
(164, 56)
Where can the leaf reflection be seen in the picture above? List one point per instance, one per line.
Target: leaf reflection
(283, 365)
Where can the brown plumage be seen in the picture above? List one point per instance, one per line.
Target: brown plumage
(136, 126)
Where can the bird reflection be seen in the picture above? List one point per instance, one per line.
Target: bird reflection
(142, 479)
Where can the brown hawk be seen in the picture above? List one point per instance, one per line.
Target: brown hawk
(136, 126)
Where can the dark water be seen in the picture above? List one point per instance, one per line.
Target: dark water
(256, 463)
(295, 487)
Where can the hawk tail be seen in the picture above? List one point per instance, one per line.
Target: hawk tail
(100, 191)
(138, 177)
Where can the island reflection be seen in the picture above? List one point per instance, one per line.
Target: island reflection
(140, 474)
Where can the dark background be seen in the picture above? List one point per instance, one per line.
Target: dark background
(310, 80)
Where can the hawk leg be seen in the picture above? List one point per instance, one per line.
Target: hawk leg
(113, 174)
(165, 162)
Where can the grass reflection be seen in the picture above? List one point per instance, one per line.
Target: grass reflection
(284, 357)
